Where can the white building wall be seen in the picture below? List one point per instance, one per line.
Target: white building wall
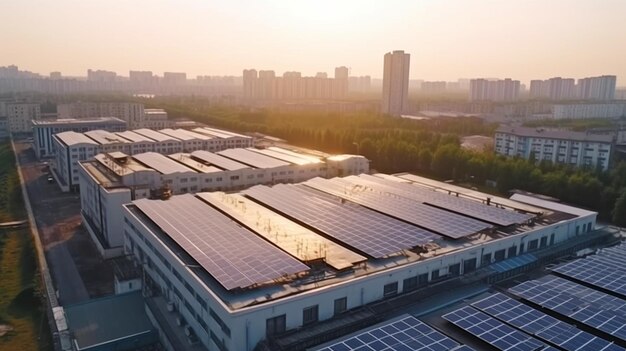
(20, 116)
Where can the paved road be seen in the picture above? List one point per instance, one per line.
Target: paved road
(56, 213)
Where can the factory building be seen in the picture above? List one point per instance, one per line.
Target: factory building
(112, 179)
(235, 270)
(69, 146)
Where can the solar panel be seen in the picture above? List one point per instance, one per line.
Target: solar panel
(492, 331)
(541, 325)
(367, 231)
(235, 257)
(447, 202)
(439, 221)
(595, 273)
(405, 334)
(609, 322)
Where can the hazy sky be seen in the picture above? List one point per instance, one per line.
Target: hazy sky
(446, 39)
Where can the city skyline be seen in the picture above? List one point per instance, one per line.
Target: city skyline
(447, 42)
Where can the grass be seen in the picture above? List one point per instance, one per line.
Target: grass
(20, 302)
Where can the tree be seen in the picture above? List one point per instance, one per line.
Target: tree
(619, 211)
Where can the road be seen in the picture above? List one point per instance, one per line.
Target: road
(77, 270)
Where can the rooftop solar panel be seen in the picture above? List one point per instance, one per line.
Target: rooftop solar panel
(434, 219)
(456, 204)
(234, 256)
(367, 231)
(492, 331)
(609, 322)
(407, 333)
(597, 273)
(541, 325)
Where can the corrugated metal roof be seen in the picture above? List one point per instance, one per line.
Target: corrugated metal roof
(217, 160)
(283, 157)
(134, 137)
(66, 121)
(72, 138)
(218, 133)
(555, 206)
(153, 134)
(192, 163)
(183, 134)
(309, 157)
(251, 158)
(161, 163)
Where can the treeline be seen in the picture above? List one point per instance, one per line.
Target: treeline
(428, 147)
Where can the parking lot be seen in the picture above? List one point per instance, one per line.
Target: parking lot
(76, 266)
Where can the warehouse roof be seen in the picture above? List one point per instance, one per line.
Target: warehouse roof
(252, 159)
(161, 163)
(104, 137)
(554, 134)
(72, 138)
(153, 134)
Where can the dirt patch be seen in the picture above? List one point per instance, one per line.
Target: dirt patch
(5, 329)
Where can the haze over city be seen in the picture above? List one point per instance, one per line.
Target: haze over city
(448, 39)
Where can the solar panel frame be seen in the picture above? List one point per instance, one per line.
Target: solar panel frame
(404, 334)
(445, 223)
(234, 256)
(369, 232)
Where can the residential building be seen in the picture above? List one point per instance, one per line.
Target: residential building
(165, 141)
(174, 78)
(395, 83)
(434, 87)
(131, 112)
(101, 76)
(494, 90)
(577, 149)
(553, 89)
(155, 118)
(326, 247)
(20, 116)
(361, 84)
(597, 88)
(589, 110)
(44, 129)
(112, 179)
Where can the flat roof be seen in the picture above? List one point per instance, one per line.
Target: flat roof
(129, 165)
(104, 137)
(70, 138)
(188, 161)
(134, 137)
(70, 121)
(218, 161)
(554, 134)
(153, 134)
(162, 163)
(551, 205)
(98, 321)
(252, 159)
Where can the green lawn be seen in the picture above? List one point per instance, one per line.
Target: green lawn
(20, 305)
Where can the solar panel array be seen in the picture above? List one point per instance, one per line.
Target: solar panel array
(541, 325)
(456, 204)
(370, 232)
(606, 269)
(437, 220)
(406, 334)
(235, 257)
(492, 331)
(607, 321)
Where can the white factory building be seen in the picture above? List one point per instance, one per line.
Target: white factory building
(71, 147)
(589, 110)
(577, 149)
(231, 270)
(113, 179)
(44, 129)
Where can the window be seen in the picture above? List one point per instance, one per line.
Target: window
(310, 315)
(544, 242)
(341, 305)
(486, 259)
(512, 251)
(422, 279)
(469, 265)
(499, 255)
(552, 238)
(532, 245)
(390, 289)
(409, 284)
(454, 269)
(434, 275)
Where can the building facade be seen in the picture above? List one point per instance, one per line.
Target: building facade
(589, 110)
(557, 146)
(266, 86)
(395, 83)
(131, 112)
(494, 90)
(21, 115)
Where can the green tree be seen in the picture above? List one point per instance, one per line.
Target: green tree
(619, 211)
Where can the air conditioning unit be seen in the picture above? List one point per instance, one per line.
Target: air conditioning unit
(170, 306)
(180, 321)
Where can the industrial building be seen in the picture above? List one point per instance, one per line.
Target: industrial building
(112, 179)
(236, 270)
(578, 149)
(44, 129)
(71, 147)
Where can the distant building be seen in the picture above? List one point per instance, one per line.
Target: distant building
(21, 115)
(553, 89)
(597, 88)
(494, 90)
(589, 110)
(155, 118)
(361, 84)
(101, 76)
(395, 83)
(44, 129)
(557, 146)
(131, 112)
(434, 87)
(174, 78)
